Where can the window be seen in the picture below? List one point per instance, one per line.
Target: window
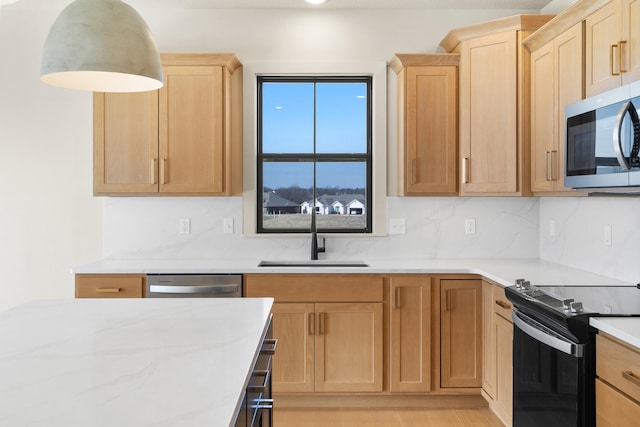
(314, 154)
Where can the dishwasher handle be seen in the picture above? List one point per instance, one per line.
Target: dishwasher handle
(545, 335)
(195, 289)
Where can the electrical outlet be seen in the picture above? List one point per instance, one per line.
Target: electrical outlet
(397, 226)
(185, 226)
(470, 226)
(227, 226)
(607, 235)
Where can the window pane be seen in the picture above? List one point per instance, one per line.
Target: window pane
(341, 195)
(341, 117)
(287, 194)
(287, 117)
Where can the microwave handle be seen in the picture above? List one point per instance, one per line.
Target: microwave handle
(627, 107)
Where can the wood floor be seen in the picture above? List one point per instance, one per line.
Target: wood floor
(332, 417)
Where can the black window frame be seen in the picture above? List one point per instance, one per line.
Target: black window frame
(314, 157)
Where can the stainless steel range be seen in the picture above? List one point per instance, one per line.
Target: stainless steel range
(554, 349)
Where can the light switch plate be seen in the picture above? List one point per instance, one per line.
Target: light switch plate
(227, 226)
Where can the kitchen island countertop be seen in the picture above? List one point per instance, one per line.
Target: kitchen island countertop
(128, 362)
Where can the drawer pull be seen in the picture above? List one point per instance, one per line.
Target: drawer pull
(108, 290)
(269, 346)
(503, 304)
(265, 404)
(321, 318)
(265, 383)
(312, 324)
(630, 376)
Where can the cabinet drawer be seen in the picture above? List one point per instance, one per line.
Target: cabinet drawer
(315, 287)
(613, 409)
(501, 305)
(619, 365)
(109, 286)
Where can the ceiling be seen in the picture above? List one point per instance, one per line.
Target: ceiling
(330, 4)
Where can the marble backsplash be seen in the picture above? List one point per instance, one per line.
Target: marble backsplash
(148, 228)
(572, 233)
(518, 227)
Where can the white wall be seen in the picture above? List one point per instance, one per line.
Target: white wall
(50, 221)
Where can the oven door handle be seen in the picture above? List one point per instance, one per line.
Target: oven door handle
(197, 289)
(545, 335)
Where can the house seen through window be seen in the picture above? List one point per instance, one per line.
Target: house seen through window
(314, 154)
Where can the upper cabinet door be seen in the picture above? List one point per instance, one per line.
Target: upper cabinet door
(630, 50)
(431, 130)
(488, 114)
(192, 130)
(125, 142)
(603, 34)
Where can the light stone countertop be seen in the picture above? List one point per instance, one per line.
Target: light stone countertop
(502, 271)
(128, 362)
(626, 329)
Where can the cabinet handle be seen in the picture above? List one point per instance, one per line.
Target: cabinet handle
(465, 170)
(554, 166)
(621, 63)
(312, 324)
(269, 346)
(163, 171)
(108, 290)
(630, 376)
(396, 297)
(447, 301)
(503, 304)
(321, 316)
(547, 156)
(265, 382)
(265, 404)
(154, 170)
(611, 59)
(413, 171)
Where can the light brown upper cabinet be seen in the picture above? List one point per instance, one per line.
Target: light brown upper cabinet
(184, 139)
(494, 104)
(612, 46)
(557, 79)
(427, 123)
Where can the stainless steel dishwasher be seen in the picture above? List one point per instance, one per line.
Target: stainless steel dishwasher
(194, 285)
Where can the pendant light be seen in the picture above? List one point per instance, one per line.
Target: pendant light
(101, 46)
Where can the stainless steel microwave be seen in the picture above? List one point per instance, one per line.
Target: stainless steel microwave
(603, 140)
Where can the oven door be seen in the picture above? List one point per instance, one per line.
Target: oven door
(548, 376)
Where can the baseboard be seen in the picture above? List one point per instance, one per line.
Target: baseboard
(379, 401)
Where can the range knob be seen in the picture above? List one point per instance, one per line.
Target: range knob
(576, 307)
(566, 304)
(519, 283)
(526, 285)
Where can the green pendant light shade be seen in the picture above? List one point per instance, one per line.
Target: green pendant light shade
(101, 46)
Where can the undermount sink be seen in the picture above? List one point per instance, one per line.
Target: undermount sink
(320, 263)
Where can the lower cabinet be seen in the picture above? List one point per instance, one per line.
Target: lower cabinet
(618, 383)
(110, 285)
(497, 379)
(256, 409)
(460, 333)
(410, 337)
(331, 333)
(328, 347)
